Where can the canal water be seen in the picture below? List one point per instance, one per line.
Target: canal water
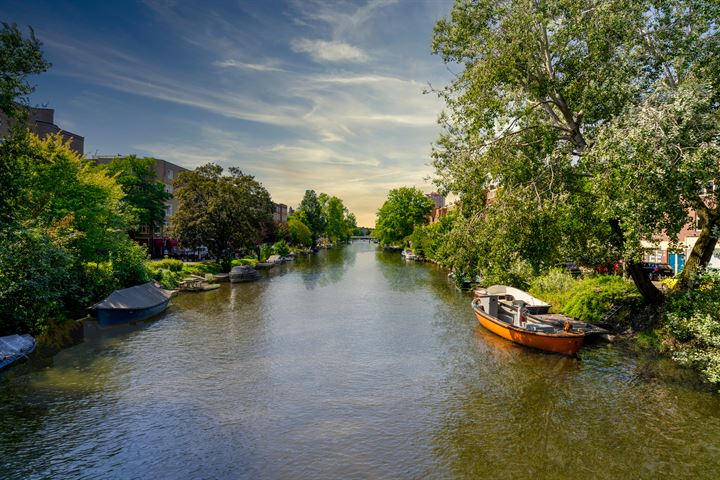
(348, 364)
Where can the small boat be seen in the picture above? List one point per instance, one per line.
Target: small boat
(409, 255)
(532, 304)
(508, 316)
(15, 347)
(243, 273)
(132, 304)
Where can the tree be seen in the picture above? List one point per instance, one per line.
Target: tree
(336, 228)
(404, 209)
(300, 234)
(222, 212)
(144, 194)
(656, 162)
(19, 57)
(65, 216)
(310, 212)
(540, 81)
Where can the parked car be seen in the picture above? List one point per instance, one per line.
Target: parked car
(656, 271)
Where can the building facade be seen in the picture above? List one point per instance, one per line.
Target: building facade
(41, 121)
(280, 214)
(158, 242)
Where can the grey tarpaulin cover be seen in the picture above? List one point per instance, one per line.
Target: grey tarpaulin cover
(140, 296)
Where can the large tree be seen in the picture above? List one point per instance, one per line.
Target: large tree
(145, 196)
(222, 212)
(310, 212)
(404, 209)
(540, 80)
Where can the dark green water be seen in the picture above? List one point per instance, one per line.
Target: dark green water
(348, 364)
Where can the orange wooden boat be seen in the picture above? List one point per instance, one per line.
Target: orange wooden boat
(508, 318)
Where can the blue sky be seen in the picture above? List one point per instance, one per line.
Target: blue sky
(301, 94)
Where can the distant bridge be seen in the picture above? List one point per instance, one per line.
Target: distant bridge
(362, 237)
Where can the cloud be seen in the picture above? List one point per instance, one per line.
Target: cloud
(248, 66)
(328, 51)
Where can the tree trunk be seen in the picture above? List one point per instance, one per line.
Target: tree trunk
(644, 285)
(642, 280)
(702, 251)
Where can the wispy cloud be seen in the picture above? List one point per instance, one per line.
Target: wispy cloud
(257, 67)
(328, 51)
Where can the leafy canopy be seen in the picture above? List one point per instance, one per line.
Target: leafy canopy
(222, 212)
(404, 209)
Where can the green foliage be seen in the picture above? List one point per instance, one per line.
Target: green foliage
(129, 263)
(167, 263)
(541, 83)
(34, 277)
(244, 261)
(404, 209)
(587, 299)
(264, 252)
(167, 278)
(692, 324)
(64, 237)
(144, 194)
(310, 212)
(336, 225)
(300, 234)
(281, 248)
(223, 212)
(19, 57)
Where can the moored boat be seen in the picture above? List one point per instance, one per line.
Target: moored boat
(244, 273)
(132, 304)
(509, 317)
(15, 347)
(532, 304)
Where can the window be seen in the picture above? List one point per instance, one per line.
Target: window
(170, 174)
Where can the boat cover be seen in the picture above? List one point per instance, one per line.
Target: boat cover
(12, 345)
(140, 296)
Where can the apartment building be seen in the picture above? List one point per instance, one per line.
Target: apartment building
(158, 242)
(41, 121)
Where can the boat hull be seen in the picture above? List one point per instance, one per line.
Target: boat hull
(566, 344)
(117, 316)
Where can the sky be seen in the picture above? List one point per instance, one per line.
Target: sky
(322, 95)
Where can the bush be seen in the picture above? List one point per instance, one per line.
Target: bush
(129, 262)
(168, 278)
(692, 325)
(168, 264)
(265, 251)
(281, 248)
(244, 261)
(35, 277)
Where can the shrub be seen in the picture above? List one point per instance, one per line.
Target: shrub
(244, 261)
(129, 263)
(35, 277)
(281, 248)
(168, 264)
(692, 326)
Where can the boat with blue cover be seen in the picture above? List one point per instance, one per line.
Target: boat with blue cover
(132, 304)
(15, 347)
